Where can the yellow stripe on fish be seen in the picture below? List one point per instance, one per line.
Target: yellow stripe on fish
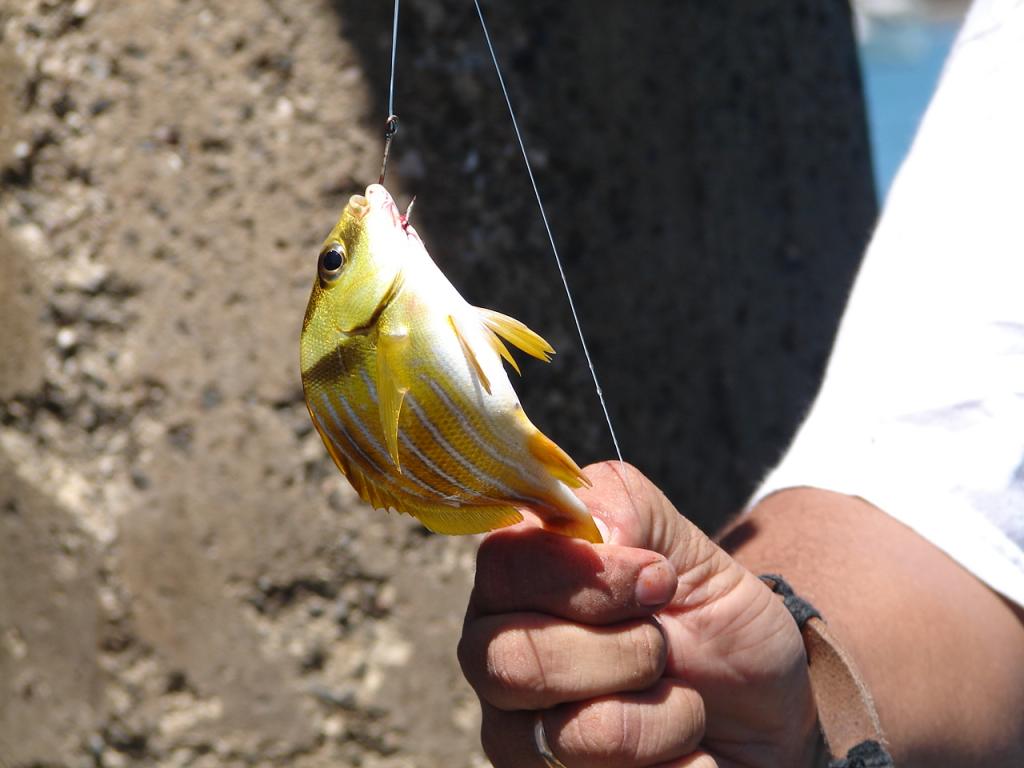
(405, 384)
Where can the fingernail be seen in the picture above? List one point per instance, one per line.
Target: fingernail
(656, 584)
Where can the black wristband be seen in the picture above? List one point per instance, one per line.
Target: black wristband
(800, 609)
(869, 753)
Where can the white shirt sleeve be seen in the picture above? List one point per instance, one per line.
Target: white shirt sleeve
(921, 411)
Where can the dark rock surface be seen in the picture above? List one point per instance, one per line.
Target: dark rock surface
(185, 580)
(706, 171)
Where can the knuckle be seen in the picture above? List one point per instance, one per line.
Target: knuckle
(695, 714)
(606, 730)
(514, 676)
(682, 721)
(642, 651)
(667, 720)
(702, 760)
(467, 653)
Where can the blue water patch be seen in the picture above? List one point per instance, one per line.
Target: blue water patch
(901, 61)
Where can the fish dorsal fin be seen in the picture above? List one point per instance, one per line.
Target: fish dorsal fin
(392, 385)
(499, 346)
(470, 355)
(516, 334)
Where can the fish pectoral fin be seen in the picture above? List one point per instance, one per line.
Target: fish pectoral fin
(516, 334)
(392, 386)
(470, 355)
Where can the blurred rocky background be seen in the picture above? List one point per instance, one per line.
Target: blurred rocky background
(185, 580)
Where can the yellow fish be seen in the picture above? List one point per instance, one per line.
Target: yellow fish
(404, 382)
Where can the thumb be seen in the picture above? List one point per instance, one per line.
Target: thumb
(715, 595)
(635, 513)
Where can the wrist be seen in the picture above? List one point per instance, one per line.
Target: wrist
(847, 724)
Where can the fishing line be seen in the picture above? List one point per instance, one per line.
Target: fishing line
(391, 123)
(394, 49)
(551, 238)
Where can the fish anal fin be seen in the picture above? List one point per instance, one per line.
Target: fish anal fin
(516, 334)
(469, 519)
(470, 356)
(437, 517)
(392, 386)
(556, 461)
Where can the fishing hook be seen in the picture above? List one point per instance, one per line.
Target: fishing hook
(390, 129)
(391, 124)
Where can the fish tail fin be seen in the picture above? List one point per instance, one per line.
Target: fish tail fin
(576, 528)
(567, 515)
(563, 513)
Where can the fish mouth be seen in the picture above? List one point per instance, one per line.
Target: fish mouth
(380, 199)
(359, 206)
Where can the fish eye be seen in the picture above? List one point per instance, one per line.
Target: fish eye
(332, 259)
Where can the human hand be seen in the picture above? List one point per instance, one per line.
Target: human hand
(655, 649)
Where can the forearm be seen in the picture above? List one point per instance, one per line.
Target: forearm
(942, 654)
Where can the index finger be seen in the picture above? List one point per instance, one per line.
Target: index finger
(528, 569)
